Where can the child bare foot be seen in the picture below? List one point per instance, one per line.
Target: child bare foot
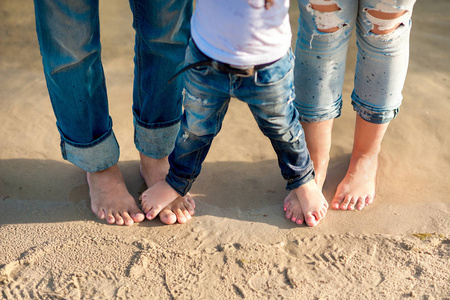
(293, 208)
(181, 209)
(110, 198)
(357, 189)
(156, 198)
(306, 203)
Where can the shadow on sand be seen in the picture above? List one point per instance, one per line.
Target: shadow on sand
(48, 191)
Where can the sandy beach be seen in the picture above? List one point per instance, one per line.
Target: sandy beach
(238, 245)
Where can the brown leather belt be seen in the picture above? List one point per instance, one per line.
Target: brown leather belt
(222, 67)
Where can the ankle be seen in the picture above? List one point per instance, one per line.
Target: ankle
(153, 170)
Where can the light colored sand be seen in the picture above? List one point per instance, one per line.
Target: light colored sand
(238, 245)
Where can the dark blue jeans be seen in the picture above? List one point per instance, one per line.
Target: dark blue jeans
(69, 38)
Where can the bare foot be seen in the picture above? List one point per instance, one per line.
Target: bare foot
(357, 189)
(181, 209)
(306, 204)
(110, 198)
(156, 198)
(293, 209)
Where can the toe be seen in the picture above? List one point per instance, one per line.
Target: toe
(151, 214)
(346, 202)
(110, 217)
(167, 217)
(191, 201)
(99, 213)
(187, 215)
(336, 202)
(128, 221)
(137, 216)
(181, 218)
(189, 205)
(311, 220)
(288, 213)
(369, 199)
(353, 201)
(119, 219)
(299, 218)
(360, 204)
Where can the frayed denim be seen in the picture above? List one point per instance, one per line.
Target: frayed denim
(382, 60)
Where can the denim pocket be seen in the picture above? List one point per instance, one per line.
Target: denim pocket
(276, 72)
(193, 55)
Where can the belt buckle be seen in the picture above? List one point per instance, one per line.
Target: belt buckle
(246, 72)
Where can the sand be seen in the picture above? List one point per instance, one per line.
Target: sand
(238, 245)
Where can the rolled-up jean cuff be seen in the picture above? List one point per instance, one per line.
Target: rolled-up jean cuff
(179, 184)
(374, 115)
(300, 180)
(157, 142)
(313, 115)
(92, 157)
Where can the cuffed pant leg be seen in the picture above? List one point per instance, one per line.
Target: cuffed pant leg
(162, 33)
(69, 40)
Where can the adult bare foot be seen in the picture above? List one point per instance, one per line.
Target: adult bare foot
(110, 198)
(306, 203)
(357, 189)
(181, 209)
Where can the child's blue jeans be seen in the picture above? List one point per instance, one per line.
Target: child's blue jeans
(69, 38)
(269, 94)
(381, 66)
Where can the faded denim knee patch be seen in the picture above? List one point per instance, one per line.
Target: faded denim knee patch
(155, 142)
(103, 153)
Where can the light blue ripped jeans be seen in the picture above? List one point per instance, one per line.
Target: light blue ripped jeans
(382, 59)
(69, 39)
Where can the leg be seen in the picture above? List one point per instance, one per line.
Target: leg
(358, 187)
(383, 46)
(205, 108)
(271, 104)
(76, 85)
(191, 147)
(323, 35)
(318, 140)
(162, 32)
(305, 201)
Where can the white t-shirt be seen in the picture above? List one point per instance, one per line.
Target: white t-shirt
(242, 32)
